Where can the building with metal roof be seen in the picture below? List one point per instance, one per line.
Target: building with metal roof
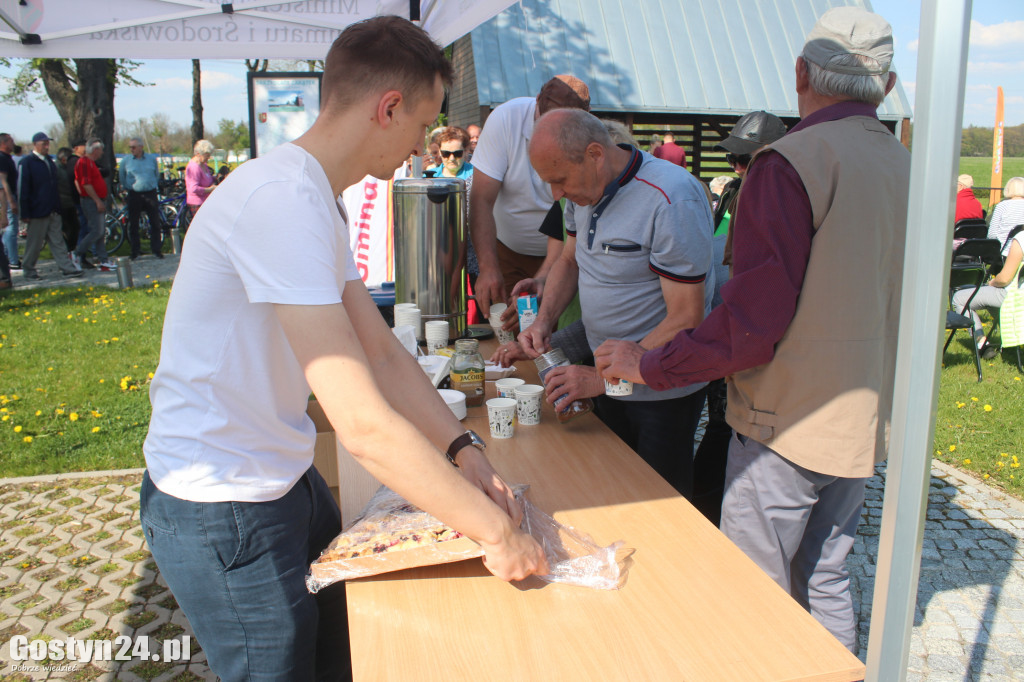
(687, 66)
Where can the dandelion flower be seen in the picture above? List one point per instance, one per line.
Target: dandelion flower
(960, 404)
(999, 464)
(114, 338)
(1016, 378)
(28, 439)
(973, 399)
(967, 461)
(39, 412)
(95, 429)
(59, 411)
(985, 477)
(49, 369)
(17, 429)
(96, 414)
(988, 408)
(952, 448)
(73, 416)
(5, 418)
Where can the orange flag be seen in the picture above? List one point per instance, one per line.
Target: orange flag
(997, 154)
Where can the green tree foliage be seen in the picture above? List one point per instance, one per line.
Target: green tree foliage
(977, 141)
(231, 135)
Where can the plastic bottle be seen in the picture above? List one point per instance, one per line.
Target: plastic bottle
(545, 363)
(467, 373)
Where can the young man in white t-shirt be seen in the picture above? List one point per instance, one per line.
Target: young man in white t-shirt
(231, 507)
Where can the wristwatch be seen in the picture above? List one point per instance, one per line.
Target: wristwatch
(468, 438)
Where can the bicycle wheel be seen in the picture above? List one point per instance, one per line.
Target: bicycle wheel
(170, 216)
(115, 229)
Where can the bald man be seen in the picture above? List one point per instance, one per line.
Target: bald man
(638, 250)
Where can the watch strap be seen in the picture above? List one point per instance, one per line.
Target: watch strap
(467, 438)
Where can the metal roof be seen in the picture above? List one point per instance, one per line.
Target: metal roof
(656, 56)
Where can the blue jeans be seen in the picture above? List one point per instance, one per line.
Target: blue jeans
(237, 569)
(97, 234)
(11, 238)
(660, 431)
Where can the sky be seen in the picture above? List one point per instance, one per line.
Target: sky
(995, 58)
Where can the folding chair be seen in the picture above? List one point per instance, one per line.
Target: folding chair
(970, 228)
(956, 320)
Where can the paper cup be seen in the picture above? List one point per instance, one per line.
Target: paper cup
(528, 403)
(436, 333)
(622, 388)
(506, 387)
(501, 414)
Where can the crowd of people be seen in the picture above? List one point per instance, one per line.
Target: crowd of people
(1005, 227)
(63, 202)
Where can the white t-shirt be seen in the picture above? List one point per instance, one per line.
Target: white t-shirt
(502, 152)
(229, 398)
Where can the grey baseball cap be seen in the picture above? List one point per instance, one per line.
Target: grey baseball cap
(850, 30)
(751, 132)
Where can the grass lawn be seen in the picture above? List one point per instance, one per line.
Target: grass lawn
(980, 168)
(75, 365)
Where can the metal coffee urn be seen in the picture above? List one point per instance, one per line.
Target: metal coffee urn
(430, 249)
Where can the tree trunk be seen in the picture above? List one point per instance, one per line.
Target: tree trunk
(88, 111)
(197, 104)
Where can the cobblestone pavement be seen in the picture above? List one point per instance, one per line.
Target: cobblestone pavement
(73, 562)
(969, 621)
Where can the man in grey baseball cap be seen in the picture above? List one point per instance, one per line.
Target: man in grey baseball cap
(807, 327)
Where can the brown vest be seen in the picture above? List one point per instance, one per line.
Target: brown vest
(824, 400)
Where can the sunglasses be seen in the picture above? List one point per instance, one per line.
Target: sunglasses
(734, 160)
(457, 153)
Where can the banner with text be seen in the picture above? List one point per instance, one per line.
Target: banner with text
(370, 226)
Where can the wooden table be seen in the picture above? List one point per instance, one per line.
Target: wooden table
(693, 608)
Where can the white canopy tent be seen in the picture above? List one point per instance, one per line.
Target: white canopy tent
(187, 29)
(303, 30)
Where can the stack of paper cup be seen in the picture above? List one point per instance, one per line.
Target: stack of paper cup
(436, 333)
(408, 313)
(456, 401)
(528, 397)
(503, 336)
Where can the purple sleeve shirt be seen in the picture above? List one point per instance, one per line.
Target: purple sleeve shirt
(771, 247)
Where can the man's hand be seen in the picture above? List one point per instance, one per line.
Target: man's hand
(477, 469)
(490, 288)
(100, 206)
(616, 359)
(572, 382)
(508, 353)
(536, 340)
(518, 556)
(530, 285)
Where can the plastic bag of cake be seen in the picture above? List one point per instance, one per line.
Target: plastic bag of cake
(391, 535)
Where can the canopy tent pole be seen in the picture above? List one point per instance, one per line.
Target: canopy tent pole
(938, 113)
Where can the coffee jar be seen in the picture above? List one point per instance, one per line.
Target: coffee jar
(545, 363)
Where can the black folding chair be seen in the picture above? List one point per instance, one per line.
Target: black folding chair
(956, 320)
(970, 228)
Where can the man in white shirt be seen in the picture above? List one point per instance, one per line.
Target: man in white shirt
(510, 200)
(231, 507)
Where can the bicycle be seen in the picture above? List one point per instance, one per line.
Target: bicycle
(172, 212)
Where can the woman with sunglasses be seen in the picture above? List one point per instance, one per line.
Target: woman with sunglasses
(454, 147)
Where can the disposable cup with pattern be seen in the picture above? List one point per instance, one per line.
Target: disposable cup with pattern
(501, 415)
(528, 403)
(506, 387)
(624, 387)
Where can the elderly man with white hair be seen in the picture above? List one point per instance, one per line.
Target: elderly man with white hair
(807, 329)
(967, 205)
(140, 176)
